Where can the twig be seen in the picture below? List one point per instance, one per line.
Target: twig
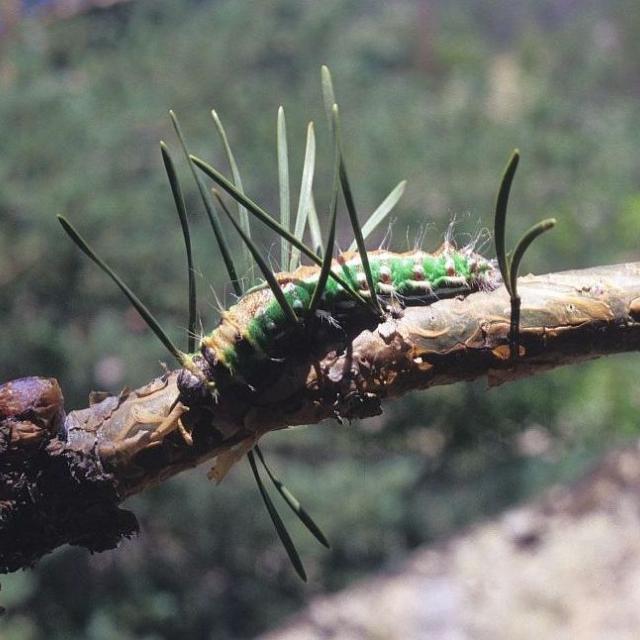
(63, 477)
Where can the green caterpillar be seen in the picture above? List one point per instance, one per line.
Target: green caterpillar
(256, 328)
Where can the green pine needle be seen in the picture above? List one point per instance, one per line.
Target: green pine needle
(283, 184)
(242, 212)
(283, 534)
(509, 265)
(304, 201)
(294, 504)
(211, 212)
(383, 210)
(328, 254)
(314, 227)
(333, 115)
(184, 224)
(353, 216)
(328, 94)
(500, 218)
(522, 246)
(133, 298)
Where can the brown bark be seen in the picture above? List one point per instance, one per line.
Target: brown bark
(62, 478)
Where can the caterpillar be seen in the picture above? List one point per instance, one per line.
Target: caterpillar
(256, 329)
(310, 306)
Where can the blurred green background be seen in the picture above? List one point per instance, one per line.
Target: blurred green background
(438, 92)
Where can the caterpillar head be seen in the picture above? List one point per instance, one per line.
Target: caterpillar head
(195, 381)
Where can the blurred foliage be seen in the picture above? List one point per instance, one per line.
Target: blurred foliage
(437, 92)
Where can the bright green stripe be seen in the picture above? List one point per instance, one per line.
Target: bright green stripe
(462, 264)
(433, 267)
(401, 270)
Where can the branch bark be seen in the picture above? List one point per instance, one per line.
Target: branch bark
(63, 477)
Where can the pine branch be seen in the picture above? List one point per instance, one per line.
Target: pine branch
(64, 477)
